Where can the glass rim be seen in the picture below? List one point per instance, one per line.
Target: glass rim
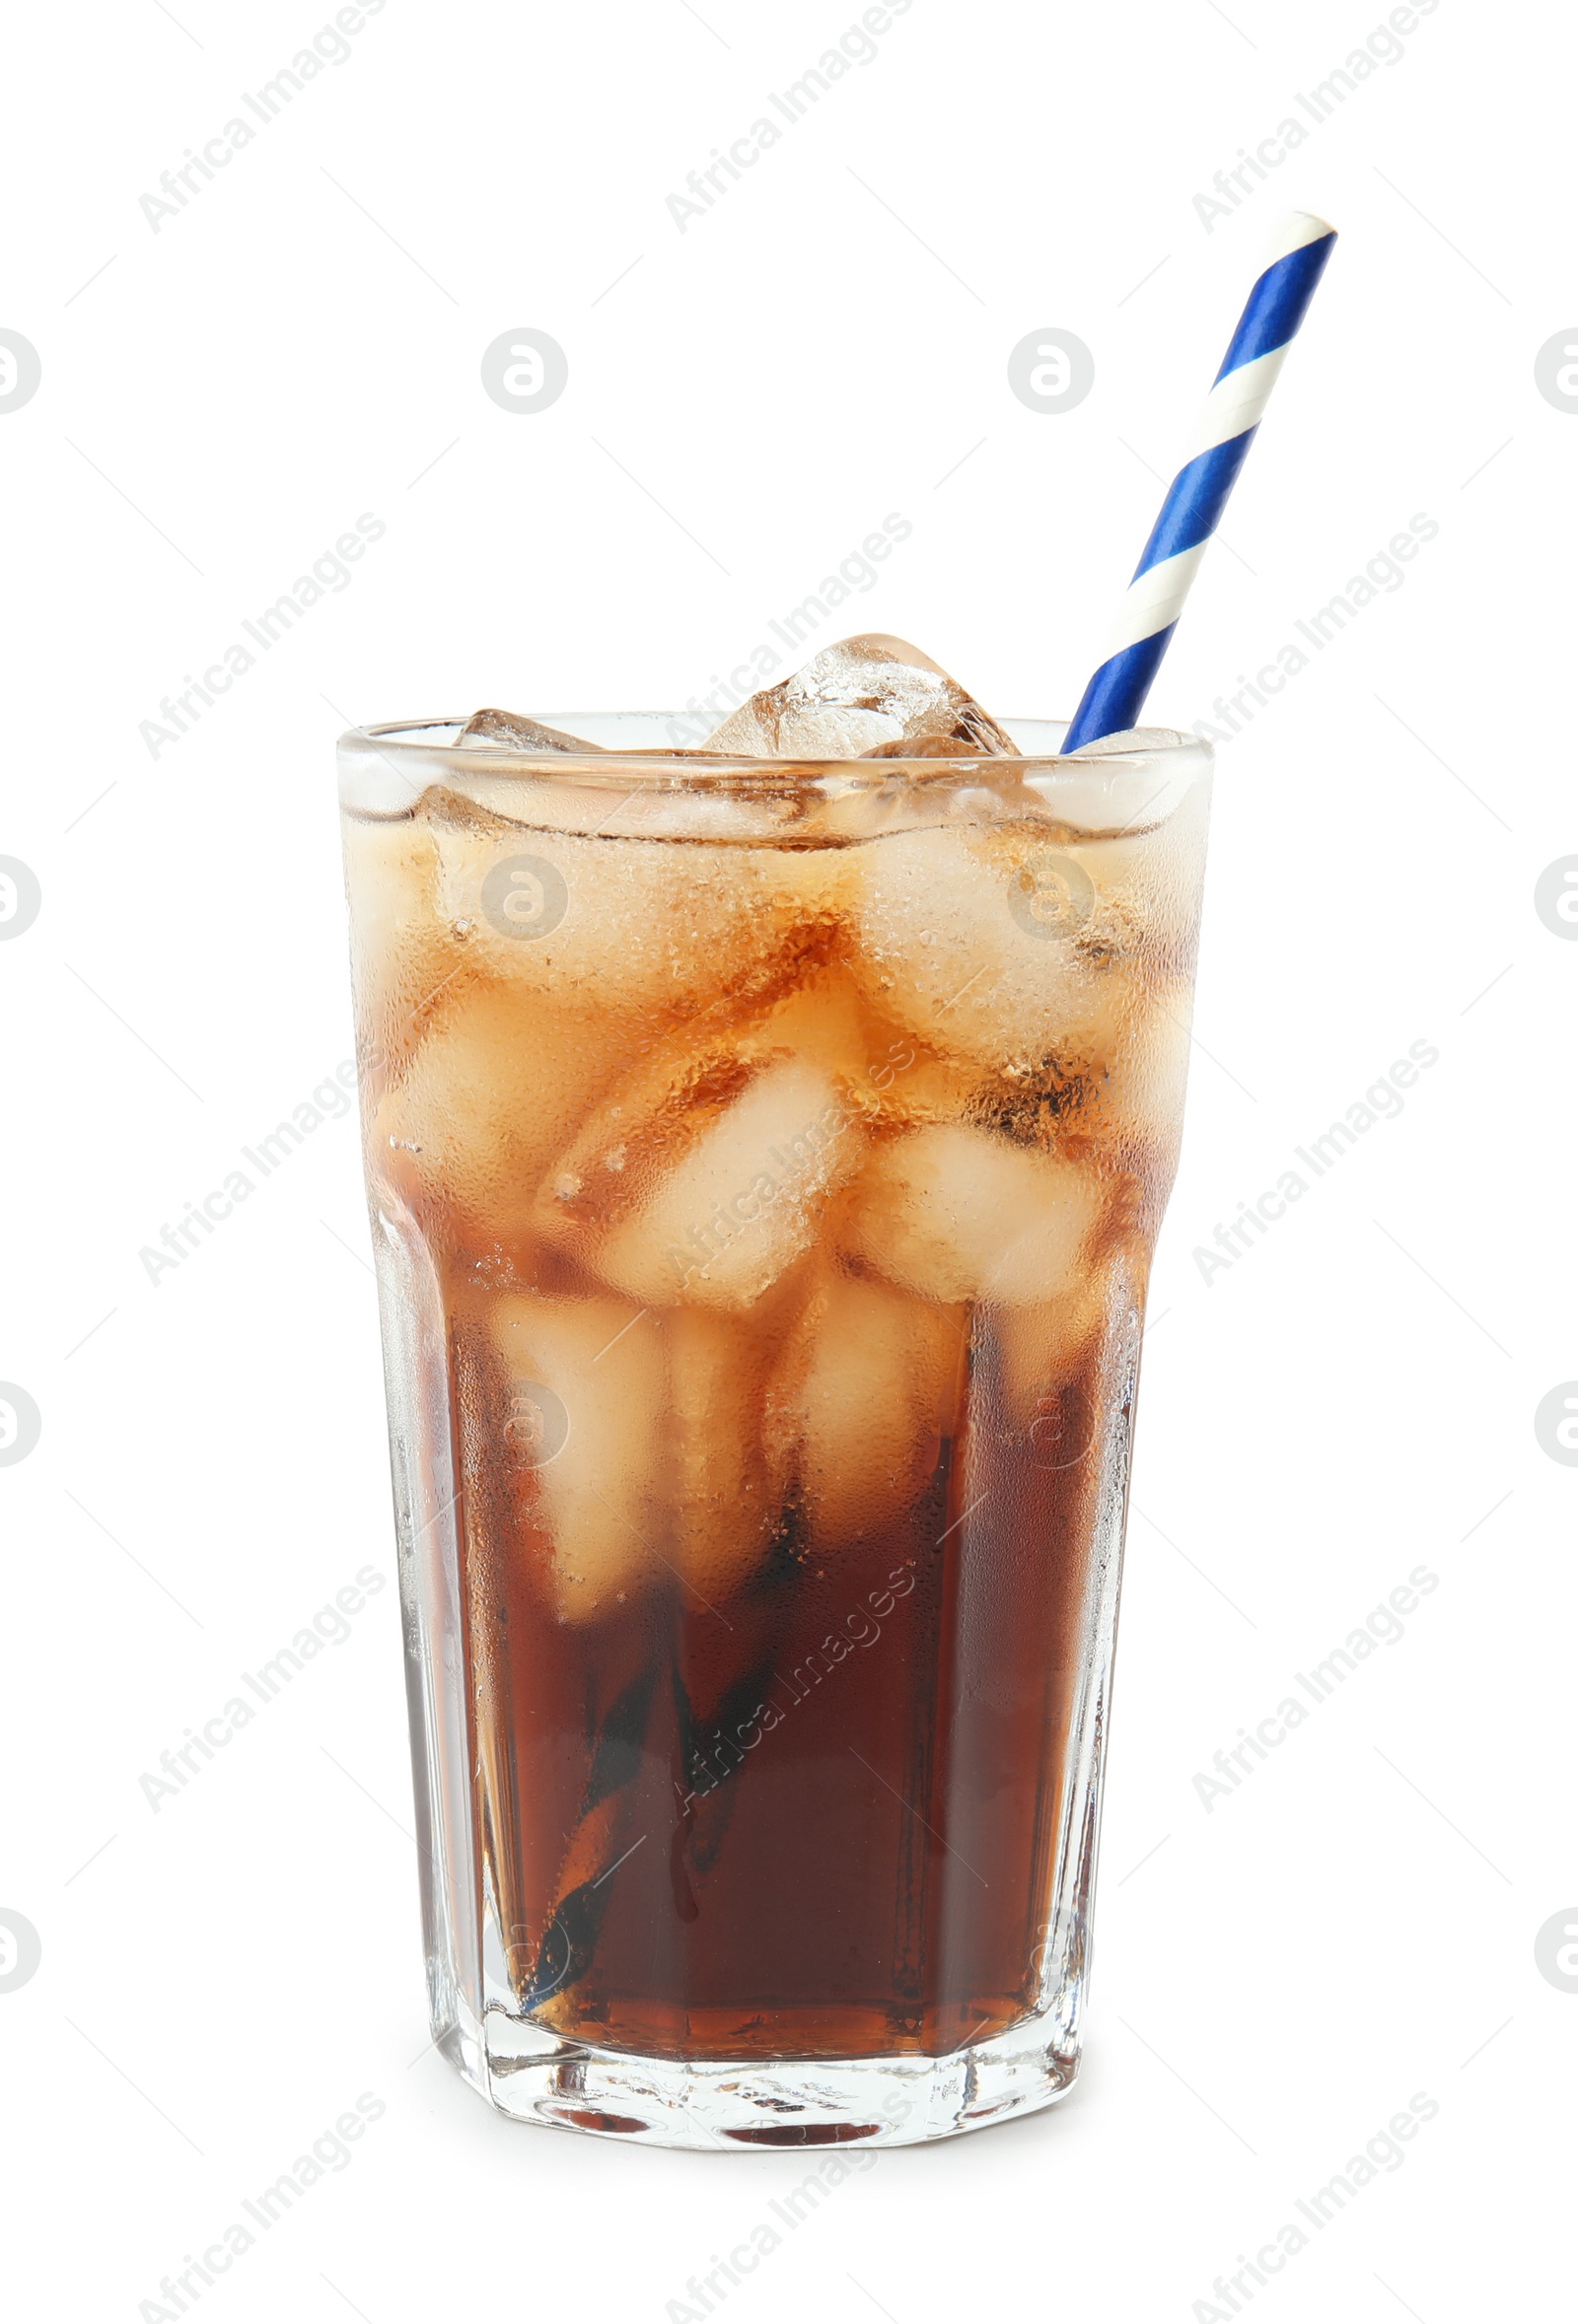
(432, 741)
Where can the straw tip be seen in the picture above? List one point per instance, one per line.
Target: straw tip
(1300, 229)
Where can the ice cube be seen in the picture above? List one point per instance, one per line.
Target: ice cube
(1041, 1352)
(994, 943)
(664, 1103)
(1136, 1108)
(740, 1202)
(490, 1098)
(404, 958)
(724, 1489)
(926, 747)
(958, 1214)
(510, 730)
(851, 699)
(617, 923)
(584, 1382)
(874, 1383)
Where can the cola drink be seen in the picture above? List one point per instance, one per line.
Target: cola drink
(766, 1155)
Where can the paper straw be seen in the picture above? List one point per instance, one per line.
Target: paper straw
(1198, 493)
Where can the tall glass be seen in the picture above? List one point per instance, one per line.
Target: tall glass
(764, 1159)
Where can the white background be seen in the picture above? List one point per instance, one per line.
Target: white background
(1354, 1397)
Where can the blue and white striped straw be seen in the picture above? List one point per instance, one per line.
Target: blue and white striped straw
(1197, 495)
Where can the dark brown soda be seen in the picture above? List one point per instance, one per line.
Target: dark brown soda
(820, 1820)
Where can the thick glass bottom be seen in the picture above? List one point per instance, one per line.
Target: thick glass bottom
(719, 2103)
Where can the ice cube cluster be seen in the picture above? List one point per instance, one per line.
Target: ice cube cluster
(757, 1163)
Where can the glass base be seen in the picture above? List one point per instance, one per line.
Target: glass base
(536, 2077)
